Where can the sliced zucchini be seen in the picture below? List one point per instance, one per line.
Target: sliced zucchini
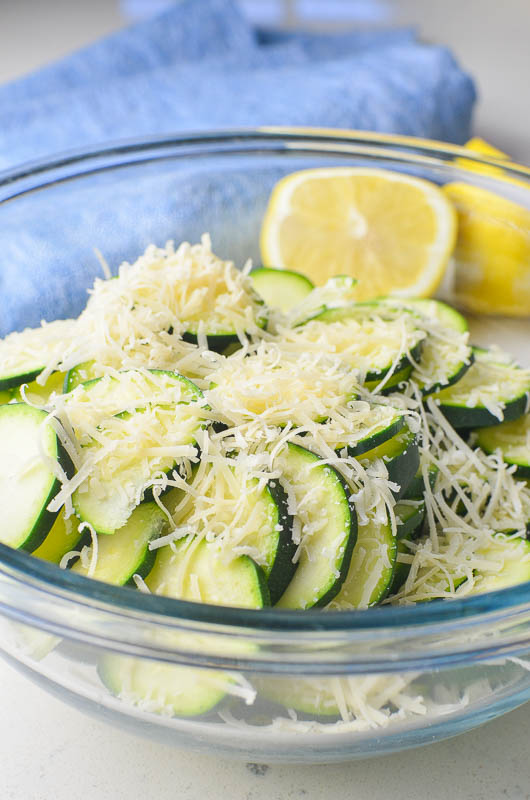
(162, 688)
(63, 537)
(335, 697)
(401, 573)
(239, 512)
(24, 355)
(371, 569)
(378, 435)
(431, 309)
(281, 288)
(131, 427)
(127, 553)
(510, 558)
(27, 482)
(445, 354)
(220, 329)
(492, 390)
(416, 488)
(38, 394)
(328, 527)
(192, 569)
(409, 516)
(367, 337)
(336, 292)
(198, 570)
(87, 371)
(398, 376)
(5, 397)
(402, 567)
(444, 314)
(440, 368)
(401, 457)
(513, 441)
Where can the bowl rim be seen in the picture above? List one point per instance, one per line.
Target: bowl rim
(75, 588)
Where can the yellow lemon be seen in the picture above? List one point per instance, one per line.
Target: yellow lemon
(492, 254)
(393, 232)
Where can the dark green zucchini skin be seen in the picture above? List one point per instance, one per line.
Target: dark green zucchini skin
(416, 487)
(44, 522)
(454, 378)
(216, 342)
(351, 541)
(47, 518)
(336, 486)
(403, 466)
(395, 379)
(283, 567)
(219, 342)
(401, 470)
(12, 381)
(376, 439)
(401, 570)
(376, 376)
(412, 525)
(462, 417)
(81, 373)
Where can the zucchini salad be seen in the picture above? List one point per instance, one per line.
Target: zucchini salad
(242, 438)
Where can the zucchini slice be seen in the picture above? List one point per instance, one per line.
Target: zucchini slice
(444, 314)
(281, 288)
(87, 371)
(392, 383)
(162, 688)
(131, 427)
(229, 308)
(445, 354)
(431, 309)
(198, 570)
(63, 537)
(27, 482)
(24, 355)
(401, 457)
(328, 527)
(416, 488)
(38, 394)
(492, 390)
(127, 553)
(513, 441)
(371, 569)
(240, 513)
(511, 557)
(378, 435)
(192, 569)
(402, 567)
(409, 516)
(439, 367)
(367, 337)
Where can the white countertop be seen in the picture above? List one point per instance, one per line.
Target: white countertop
(53, 752)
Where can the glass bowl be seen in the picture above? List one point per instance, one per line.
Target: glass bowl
(363, 682)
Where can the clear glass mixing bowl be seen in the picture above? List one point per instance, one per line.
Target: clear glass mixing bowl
(387, 678)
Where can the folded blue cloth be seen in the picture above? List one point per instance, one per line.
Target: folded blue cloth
(199, 65)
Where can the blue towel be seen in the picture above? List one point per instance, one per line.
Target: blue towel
(199, 65)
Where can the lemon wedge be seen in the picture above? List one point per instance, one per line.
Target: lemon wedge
(492, 254)
(393, 232)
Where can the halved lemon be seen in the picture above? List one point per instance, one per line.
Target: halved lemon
(492, 255)
(393, 232)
